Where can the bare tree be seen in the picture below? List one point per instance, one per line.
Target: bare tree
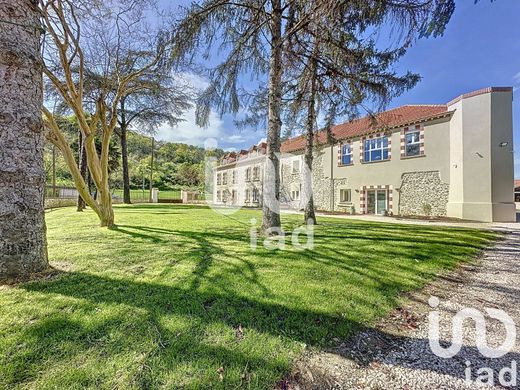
(23, 246)
(91, 38)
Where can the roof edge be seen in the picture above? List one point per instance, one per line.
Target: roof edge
(479, 92)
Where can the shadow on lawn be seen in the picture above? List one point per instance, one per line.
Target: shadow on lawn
(211, 300)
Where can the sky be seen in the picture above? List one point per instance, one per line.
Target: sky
(480, 48)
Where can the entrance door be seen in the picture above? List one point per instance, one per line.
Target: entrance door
(376, 202)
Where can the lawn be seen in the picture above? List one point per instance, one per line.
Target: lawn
(175, 297)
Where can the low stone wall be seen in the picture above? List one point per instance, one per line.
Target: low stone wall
(423, 193)
(54, 203)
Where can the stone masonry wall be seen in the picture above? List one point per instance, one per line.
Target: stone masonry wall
(423, 193)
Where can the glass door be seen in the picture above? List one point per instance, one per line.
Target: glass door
(381, 202)
(376, 202)
(371, 202)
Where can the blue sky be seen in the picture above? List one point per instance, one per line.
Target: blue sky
(480, 48)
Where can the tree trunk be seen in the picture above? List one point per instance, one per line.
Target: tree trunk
(82, 168)
(309, 214)
(23, 246)
(271, 195)
(150, 197)
(124, 155)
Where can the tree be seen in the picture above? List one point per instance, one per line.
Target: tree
(339, 65)
(257, 36)
(253, 33)
(91, 37)
(23, 246)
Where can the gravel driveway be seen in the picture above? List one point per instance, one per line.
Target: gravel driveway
(397, 355)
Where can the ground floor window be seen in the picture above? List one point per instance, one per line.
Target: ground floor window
(219, 196)
(256, 195)
(295, 194)
(344, 196)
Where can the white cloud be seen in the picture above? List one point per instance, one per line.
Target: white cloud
(189, 132)
(235, 139)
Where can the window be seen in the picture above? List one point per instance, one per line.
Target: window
(234, 197)
(234, 176)
(295, 194)
(248, 174)
(296, 166)
(248, 195)
(413, 143)
(256, 173)
(219, 179)
(224, 196)
(376, 149)
(346, 154)
(344, 196)
(255, 195)
(224, 178)
(218, 196)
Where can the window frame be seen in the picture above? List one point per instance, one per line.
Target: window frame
(369, 150)
(415, 143)
(349, 195)
(298, 170)
(349, 154)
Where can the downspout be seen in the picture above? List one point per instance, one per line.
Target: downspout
(331, 176)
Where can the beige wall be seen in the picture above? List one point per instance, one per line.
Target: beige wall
(435, 158)
(481, 171)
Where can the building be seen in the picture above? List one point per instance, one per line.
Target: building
(451, 160)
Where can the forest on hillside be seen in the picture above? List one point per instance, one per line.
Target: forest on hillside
(176, 166)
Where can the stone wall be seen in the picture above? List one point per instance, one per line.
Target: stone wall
(423, 193)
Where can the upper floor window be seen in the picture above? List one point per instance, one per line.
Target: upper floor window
(376, 149)
(413, 143)
(256, 173)
(248, 174)
(224, 178)
(346, 154)
(296, 166)
(219, 179)
(234, 177)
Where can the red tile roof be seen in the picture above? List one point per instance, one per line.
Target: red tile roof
(396, 117)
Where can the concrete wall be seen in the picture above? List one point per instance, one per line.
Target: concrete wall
(481, 170)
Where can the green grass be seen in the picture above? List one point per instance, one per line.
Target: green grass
(158, 302)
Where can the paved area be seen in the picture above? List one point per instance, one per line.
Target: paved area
(379, 218)
(397, 354)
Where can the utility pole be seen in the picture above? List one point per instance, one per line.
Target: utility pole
(151, 171)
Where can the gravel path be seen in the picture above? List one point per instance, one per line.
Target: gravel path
(397, 355)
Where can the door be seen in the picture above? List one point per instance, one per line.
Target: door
(376, 202)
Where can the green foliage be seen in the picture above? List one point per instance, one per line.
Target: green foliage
(176, 166)
(174, 293)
